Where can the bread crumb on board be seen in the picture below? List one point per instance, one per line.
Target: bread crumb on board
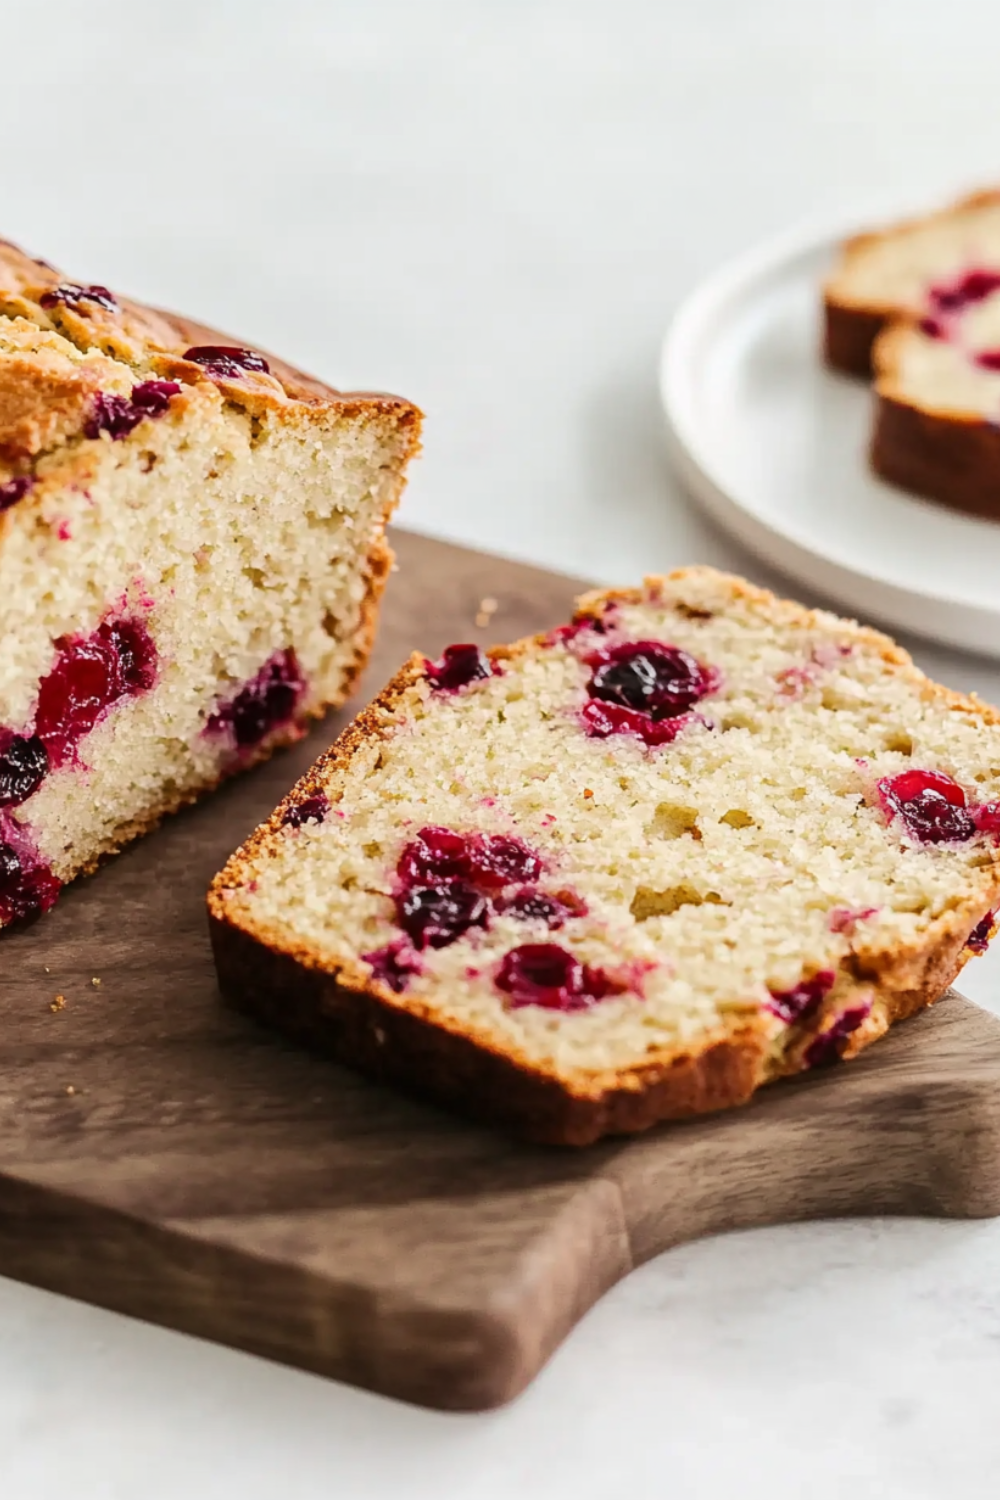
(58, 1003)
(487, 609)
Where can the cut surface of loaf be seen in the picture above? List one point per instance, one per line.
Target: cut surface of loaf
(192, 554)
(628, 871)
(918, 307)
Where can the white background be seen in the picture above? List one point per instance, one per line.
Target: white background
(494, 208)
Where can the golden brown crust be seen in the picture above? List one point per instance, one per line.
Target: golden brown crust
(41, 407)
(336, 1006)
(953, 459)
(849, 335)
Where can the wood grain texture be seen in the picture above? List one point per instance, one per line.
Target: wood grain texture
(163, 1156)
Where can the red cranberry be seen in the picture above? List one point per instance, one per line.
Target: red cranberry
(459, 666)
(988, 359)
(545, 974)
(803, 998)
(435, 854)
(226, 362)
(433, 916)
(826, 1048)
(91, 674)
(497, 861)
(603, 719)
(392, 965)
(972, 286)
(650, 677)
(70, 295)
(979, 938)
(930, 804)
(25, 891)
(14, 490)
(565, 635)
(987, 817)
(932, 327)
(312, 809)
(24, 763)
(265, 703)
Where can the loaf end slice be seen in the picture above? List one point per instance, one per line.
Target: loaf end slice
(628, 871)
(192, 553)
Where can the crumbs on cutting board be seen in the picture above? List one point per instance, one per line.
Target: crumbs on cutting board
(487, 609)
(58, 1003)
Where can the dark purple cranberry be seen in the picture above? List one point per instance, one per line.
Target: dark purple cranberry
(979, 938)
(603, 719)
(536, 906)
(226, 362)
(393, 965)
(25, 891)
(112, 414)
(152, 397)
(91, 674)
(14, 490)
(545, 974)
(264, 704)
(932, 327)
(433, 916)
(803, 998)
(650, 677)
(930, 804)
(312, 809)
(435, 854)
(826, 1048)
(70, 295)
(24, 764)
(971, 286)
(487, 861)
(120, 415)
(458, 667)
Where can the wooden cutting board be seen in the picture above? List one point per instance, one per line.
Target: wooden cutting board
(163, 1156)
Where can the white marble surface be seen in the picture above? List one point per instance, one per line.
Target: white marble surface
(493, 207)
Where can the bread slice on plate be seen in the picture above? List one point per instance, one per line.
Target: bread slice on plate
(932, 267)
(918, 307)
(192, 554)
(627, 871)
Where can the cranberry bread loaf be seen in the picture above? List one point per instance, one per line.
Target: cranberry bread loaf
(918, 306)
(628, 871)
(192, 554)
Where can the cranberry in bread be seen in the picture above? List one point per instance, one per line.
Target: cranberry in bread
(627, 871)
(192, 553)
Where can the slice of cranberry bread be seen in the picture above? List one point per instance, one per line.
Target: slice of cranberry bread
(627, 871)
(192, 554)
(918, 305)
(935, 267)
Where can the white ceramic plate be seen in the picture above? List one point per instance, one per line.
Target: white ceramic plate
(774, 446)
